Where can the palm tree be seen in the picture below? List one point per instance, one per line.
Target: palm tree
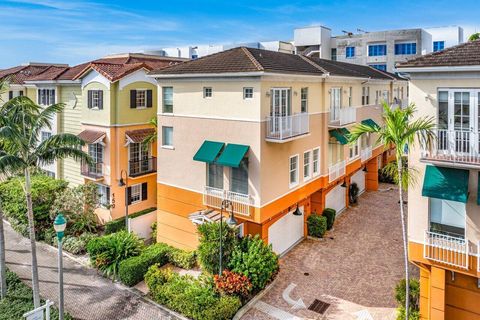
(474, 36)
(402, 132)
(21, 121)
(3, 266)
(151, 138)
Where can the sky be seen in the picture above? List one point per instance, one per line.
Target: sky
(76, 31)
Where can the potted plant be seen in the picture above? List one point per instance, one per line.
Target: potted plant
(353, 194)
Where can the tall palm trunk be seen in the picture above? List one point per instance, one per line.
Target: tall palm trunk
(33, 245)
(404, 235)
(3, 267)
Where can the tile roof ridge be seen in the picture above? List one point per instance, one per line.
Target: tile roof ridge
(313, 63)
(255, 62)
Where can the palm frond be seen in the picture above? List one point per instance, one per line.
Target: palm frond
(60, 146)
(151, 138)
(10, 164)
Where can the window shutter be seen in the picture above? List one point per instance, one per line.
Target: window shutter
(20, 93)
(149, 98)
(100, 99)
(133, 99)
(129, 195)
(144, 191)
(107, 192)
(10, 95)
(89, 100)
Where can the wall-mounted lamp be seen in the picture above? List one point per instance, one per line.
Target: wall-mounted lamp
(297, 211)
(364, 169)
(344, 184)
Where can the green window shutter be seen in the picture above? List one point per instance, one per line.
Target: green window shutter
(133, 99)
(100, 99)
(144, 191)
(149, 99)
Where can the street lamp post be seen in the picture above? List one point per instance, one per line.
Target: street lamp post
(122, 183)
(231, 222)
(59, 225)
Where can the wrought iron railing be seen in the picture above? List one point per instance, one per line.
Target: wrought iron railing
(140, 167)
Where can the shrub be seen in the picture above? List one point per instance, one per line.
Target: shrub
(108, 251)
(231, 283)
(208, 248)
(153, 234)
(414, 313)
(353, 193)
(189, 296)
(330, 214)
(119, 224)
(253, 258)
(182, 259)
(316, 225)
(75, 245)
(132, 270)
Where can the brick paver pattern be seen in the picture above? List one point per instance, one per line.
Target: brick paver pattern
(87, 294)
(354, 268)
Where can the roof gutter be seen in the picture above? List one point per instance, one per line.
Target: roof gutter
(438, 69)
(234, 75)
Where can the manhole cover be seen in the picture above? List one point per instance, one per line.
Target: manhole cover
(319, 306)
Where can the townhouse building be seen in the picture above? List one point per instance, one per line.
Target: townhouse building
(266, 131)
(443, 212)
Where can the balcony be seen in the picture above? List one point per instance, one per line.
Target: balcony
(138, 168)
(446, 249)
(336, 171)
(342, 116)
(366, 153)
(285, 128)
(93, 171)
(213, 197)
(461, 147)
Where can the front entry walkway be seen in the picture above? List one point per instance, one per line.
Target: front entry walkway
(354, 269)
(87, 294)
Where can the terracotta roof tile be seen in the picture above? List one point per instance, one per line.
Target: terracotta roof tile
(137, 136)
(91, 136)
(17, 75)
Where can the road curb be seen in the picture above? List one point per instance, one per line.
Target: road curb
(243, 310)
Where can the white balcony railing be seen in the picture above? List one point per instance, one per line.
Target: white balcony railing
(287, 127)
(366, 153)
(343, 116)
(449, 250)
(461, 146)
(213, 197)
(336, 171)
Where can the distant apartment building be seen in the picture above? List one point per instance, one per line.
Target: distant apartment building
(443, 207)
(268, 132)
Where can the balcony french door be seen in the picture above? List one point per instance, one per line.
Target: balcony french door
(335, 104)
(281, 109)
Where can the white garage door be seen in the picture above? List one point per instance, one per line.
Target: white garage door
(359, 179)
(286, 232)
(335, 199)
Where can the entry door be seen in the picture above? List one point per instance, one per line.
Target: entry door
(280, 109)
(335, 103)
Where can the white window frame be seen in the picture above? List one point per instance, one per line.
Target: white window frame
(166, 146)
(316, 162)
(165, 101)
(134, 191)
(47, 91)
(247, 93)
(95, 99)
(102, 195)
(137, 99)
(304, 99)
(307, 165)
(365, 96)
(43, 134)
(207, 92)
(354, 150)
(350, 96)
(290, 170)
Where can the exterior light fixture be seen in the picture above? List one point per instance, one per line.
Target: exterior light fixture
(364, 169)
(297, 211)
(59, 225)
(344, 185)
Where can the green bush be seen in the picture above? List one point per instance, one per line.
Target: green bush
(19, 300)
(153, 234)
(44, 190)
(75, 245)
(132, 270)
(400, 297)
(412, 314)
(119, 224)
(108, 251)
(182, 259)
(253, 258)
(209, 249)
(330, 214)
(189, 296)
(316, 225)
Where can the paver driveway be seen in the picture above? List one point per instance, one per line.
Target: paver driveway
(355, 270)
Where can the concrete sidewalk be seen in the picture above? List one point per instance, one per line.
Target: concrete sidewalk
(87, 294)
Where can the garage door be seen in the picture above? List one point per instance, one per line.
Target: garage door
(286, 232)
(335, 199)
(359, 179)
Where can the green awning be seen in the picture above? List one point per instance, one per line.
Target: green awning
(209, 151)
(232, 155)
(341, 135)
(371, 123)
(446, 183)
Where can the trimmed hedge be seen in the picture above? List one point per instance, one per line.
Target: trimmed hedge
(330, 214)
(182, 259)
(316, 225)
(119, 224)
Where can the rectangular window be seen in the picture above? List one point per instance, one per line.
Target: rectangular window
(443, 113)
(247, 93)
(103, 195)
(375, 50)
(316, 161)
(45, 135)
(136, 193)
(293, 171)
(354, 150)
(141, 99)
(167, 99)
(239, 178)
(207, 92)
(350, 52)
(95, 99)
(306, 165)
(46, 97)
(405, 48)
(14, 93)
(438, 45)
(215, 176)
(95, 151)
(304, 99)
(350, 96)
(50, 174)
(167, 136)
(447, 217)
(365, 96)
(381, 67)
(334, 54)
